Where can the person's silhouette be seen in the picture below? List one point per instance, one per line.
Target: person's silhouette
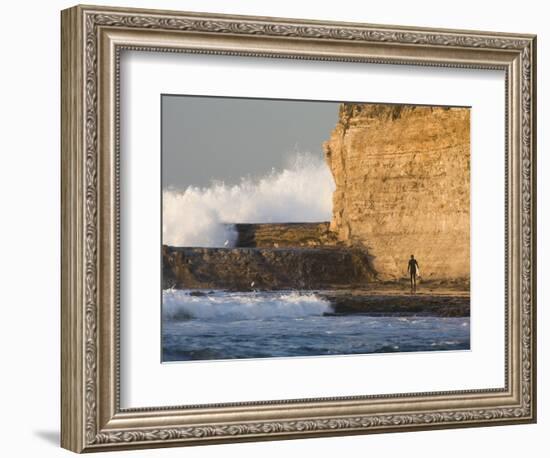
(412, 268)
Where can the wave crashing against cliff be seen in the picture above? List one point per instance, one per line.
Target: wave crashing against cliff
(199, 217)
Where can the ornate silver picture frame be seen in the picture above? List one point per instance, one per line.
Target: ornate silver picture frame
(93, 39)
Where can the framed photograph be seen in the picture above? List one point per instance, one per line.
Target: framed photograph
(278, 228)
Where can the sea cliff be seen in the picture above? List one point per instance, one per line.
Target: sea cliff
(402, 177)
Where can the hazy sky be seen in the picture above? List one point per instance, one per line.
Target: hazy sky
(206, 138)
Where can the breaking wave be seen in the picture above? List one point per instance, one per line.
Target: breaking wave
(183, 305)
(301, 192)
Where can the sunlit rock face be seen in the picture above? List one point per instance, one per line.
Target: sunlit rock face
(278, 235)
(402, 177)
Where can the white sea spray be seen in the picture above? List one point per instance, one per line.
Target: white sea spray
(301, 192)
(182, 305)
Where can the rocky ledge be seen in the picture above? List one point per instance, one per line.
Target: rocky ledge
(279, 235)
(387, 303)
(244, 269)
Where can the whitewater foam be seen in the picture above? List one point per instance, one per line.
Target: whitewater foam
(302, 192)
(182, 305)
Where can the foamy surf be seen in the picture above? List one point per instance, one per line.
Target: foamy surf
(302, 192)
(228, 306)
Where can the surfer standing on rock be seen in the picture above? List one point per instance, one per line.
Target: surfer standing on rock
(413, 268)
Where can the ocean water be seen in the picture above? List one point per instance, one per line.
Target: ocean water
(227, 325)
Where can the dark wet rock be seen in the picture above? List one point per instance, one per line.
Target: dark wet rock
(247, 269)
(443, 305)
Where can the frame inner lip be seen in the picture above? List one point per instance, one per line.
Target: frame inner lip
(273, 403)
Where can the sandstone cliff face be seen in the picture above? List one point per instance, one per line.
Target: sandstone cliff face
(402, 177)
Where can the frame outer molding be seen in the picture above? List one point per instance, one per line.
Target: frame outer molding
(91, 39)
(72, 249)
